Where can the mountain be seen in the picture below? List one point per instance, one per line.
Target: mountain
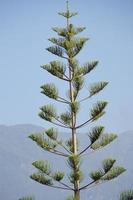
(17, 152)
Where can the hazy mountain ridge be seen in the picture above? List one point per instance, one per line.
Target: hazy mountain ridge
(18, 152)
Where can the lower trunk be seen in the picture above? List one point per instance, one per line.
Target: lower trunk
(77, 195)
(76, 182)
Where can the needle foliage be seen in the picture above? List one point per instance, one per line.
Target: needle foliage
(66, 47)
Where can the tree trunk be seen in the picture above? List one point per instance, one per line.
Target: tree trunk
(77, 195)
(74, 137)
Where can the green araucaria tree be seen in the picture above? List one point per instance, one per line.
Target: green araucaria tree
(67, 47)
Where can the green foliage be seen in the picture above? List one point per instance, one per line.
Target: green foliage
(74, 30)
(74, 66)
(104, 140)
(95, 133)
(52, 133)
(74, 160)
(96, 175)
(46, 144)
(76, 175)
(50, 90)
(61, 31)
(71, 31)
(98, 110)
(75, 46)
(56, 68)
(66, 117)
(126, 195)
(58, 51)
(68, 14)
(113, 173)
(78, 82)
(60, 41)
(86, 68)
(108, 164)
(69, 144)
(58, 176)
(74, 107)
(97, 87)
(48, 112)
(40, 178)
(108, 172)
(67, 46)
(72, 198)
(43, 166)
(27, 198)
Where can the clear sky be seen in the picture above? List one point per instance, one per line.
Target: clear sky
(24, 28)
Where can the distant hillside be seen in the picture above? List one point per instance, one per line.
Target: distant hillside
(17, 152)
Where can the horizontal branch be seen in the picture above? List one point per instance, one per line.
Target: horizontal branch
(60, 144)
(66, 186)
(59, 125)
(85, 149)
(67, 78)
(63, 147)
(95, 181)
(60, 153)
(61, 101)
(58, 187)
(57, 152)
(64, 57)
(65, 101)
(84, 99)
(93, 185)
(87, 185)
(63, 125)
(81, 125)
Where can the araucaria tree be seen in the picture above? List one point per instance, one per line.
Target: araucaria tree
(67, 47)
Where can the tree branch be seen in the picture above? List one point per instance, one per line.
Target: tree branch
(58, 187)
(63, 147)
(65, 101)
(60, 153)
(59, 125)
(85, 149)
(91, 184)
(63, 57)
(84, 99)
(56, 152)
(83, 124)
(96, 183)
(67, 78)
(93, 151)
(67, 186)
(87, 185)
(61, 101)
(60, 144)
(63, 124)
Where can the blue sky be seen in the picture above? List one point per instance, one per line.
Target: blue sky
(25, 27)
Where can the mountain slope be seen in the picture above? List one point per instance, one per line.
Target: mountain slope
(17, 152)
